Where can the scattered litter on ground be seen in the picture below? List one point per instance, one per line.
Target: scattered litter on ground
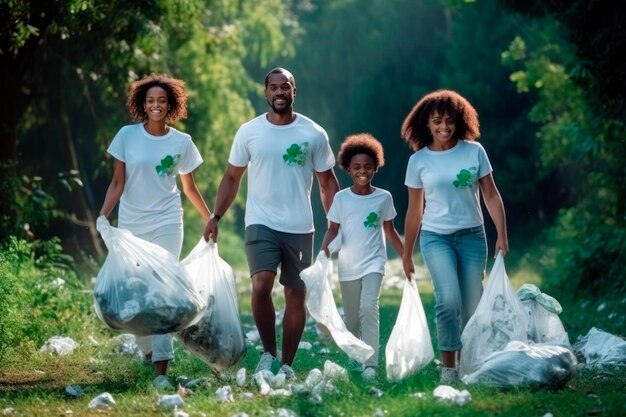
(225, 394)
(74, 391)
(599, 348)
(59, 345)
(447, 394)
(170, 401)
(102, 401)
(241, 377)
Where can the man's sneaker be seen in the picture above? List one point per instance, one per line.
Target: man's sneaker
(265, 363)
(448, 376)
(369, 374)
(290, 375)
(161, 383)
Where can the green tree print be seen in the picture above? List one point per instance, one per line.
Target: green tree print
(296, 154)
(371, 221)
(465, 178)
(167, 165)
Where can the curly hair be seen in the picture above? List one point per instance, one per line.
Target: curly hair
(176, 97)
(415, 130)
(361, 143)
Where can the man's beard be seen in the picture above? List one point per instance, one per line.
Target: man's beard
(281, 110)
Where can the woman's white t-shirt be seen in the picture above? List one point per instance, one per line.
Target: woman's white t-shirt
(151, 197)
(361, 218)
(281, 161)
(450, 182)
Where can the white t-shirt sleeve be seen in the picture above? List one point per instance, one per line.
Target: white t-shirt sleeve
(412, 178)
(334, 213)
(389, 212)
(116, 148)
(190, 160)
(323, 157)
(484, 164)
(239, 152)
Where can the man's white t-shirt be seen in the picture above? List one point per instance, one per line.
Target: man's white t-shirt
(281, 161)
(450, 182)
(151, 198)
(361, 218)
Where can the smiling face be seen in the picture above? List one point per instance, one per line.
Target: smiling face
(156, 104)
(442, 128)
(280, 93)
(362, 169)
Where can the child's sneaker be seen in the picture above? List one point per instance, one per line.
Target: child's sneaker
(161, 383)
(448, 376)
(265, 363)
(290, 375)
(369, 374)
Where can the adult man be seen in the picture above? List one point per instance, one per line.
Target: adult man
(283, 149)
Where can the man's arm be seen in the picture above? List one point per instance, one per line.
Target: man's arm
(328, 187)
(226, 193)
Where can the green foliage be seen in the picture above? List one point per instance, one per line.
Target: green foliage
(40, 296)
(582, 152)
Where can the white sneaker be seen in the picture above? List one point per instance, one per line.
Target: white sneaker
(448, 376)
(290, 375)
(369, 374)
(265, 363)
(161, 383)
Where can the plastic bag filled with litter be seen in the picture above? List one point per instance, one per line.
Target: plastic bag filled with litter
(141, 287)
(217, 338)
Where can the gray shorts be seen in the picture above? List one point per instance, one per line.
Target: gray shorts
(267, 248)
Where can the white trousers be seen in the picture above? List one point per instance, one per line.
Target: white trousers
(361, 312)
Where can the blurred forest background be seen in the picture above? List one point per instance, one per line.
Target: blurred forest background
(548, 79)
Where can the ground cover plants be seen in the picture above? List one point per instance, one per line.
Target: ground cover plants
(35, 305)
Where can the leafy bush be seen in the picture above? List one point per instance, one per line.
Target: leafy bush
(41, 295)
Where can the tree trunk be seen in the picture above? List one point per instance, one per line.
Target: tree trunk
(83, 215)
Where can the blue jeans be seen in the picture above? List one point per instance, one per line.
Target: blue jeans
(456, 263)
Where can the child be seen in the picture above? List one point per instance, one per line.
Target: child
(363, 212)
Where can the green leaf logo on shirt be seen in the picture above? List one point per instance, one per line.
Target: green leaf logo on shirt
(371, 221)
(296, 154)
(167, 165)
(465, 178)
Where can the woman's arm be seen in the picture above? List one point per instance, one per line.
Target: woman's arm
(116, 188)
(412, 223)
(193, 194)
(495, 207)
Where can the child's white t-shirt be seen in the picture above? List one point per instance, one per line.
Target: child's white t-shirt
(151, 198)
(281, 161)
(361, 218)
(450, 182)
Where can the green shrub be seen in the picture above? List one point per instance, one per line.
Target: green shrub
(36, 277)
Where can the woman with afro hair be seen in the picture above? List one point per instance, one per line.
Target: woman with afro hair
(364, 214)
(148, 156)
(445, 177)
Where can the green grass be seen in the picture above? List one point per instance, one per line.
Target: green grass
(34, 386)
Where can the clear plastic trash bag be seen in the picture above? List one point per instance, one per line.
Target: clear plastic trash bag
(499, 318)
(526, 365)
(409, 348)
(217, 338)
(599, 348)
(321, 305)
(545, 326)
(141, 287)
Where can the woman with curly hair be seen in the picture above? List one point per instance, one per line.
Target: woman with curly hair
(365, 215)
(148, 156)
(444, 177)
